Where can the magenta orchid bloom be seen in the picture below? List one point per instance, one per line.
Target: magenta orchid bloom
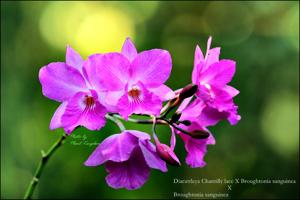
(134, 82)
(65, 83)
(118, 84)
(128, 158)
(212, 76)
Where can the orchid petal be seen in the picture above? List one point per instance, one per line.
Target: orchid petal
(91, 73)
(152, 67)
(129, 50)
(198, 59)
(112, 70)
(219, 74)
(56, 119)
(60, 82)
(163, 92)
(117, 148)
(196, 149)
(212, 57)
(151, 157)
(73, 59)
(231, 90)
(130, 174)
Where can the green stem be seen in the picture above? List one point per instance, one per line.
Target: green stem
(41, 166)
(176, 127)
(140, 121)
(160, 120)
(116, 121)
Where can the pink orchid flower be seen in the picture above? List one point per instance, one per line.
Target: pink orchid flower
(134, 82)
(65, 83)
(212, 76)
(128, 158)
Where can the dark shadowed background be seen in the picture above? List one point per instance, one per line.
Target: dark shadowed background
(263, 37)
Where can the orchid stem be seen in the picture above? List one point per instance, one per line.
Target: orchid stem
(159, 120)
(45, 157)
(175, 126)
(140, 121)
(154, 126)
(116, 121)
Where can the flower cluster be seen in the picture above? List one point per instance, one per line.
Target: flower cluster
(121, 84)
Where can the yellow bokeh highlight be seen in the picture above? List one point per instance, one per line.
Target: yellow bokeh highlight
(103, 31)
(89, 27)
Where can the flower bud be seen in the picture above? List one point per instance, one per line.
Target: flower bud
(175, 117)
(167, 154)
(186, 122)
(199, 134)
(188, 91)
(174, 102)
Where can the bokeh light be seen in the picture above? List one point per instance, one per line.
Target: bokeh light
(92, 28)
(280, 123)
(229, 22)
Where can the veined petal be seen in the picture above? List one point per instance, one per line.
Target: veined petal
(130, 174)
(79, 114)
(152, 67)
(173, 138)
(61, 82)
(231, 90)
(196, 149)
(91, 74)
(211, 116)
(138, 134)
(73, 59)
(198, 59)
(163, 92)
(219, 74)
(112, 98)
(56, 119)
(208, 46)
(151, 157)
(117, 148)
(212, 57)
(112, 70)
(193, 110)
(129, 50)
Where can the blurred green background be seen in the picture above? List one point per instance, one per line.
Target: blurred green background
(263, 37)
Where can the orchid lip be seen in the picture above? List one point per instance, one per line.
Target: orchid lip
(89, 101)
(135, 93)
